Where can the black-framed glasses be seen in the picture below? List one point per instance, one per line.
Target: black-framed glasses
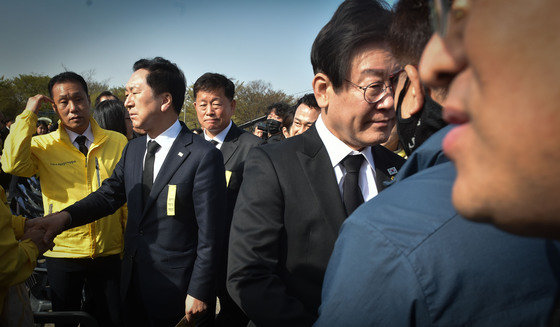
(376, 91)
(439, 13)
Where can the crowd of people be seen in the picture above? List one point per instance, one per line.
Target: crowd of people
(357, 206)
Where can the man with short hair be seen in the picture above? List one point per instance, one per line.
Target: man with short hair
(296, 193)
(72, 162)
(174, 185)
(406, 258)
(508, 138)
(215, 105)
(276, 114)
(306, 113)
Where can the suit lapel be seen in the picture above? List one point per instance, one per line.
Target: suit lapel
(177, 154)
(230, 143)
(385, 168)
(320, 175)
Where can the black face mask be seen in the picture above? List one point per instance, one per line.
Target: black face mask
(273, 126)
(416, 129)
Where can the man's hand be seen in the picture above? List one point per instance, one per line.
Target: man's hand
(51, 225)
(34, 103)
(36, 236)
(194, 307)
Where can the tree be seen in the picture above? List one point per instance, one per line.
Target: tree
(14, 93)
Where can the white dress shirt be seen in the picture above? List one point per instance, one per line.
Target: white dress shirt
(165, 141)
(87, 133)
(220, 137)
(338, 150)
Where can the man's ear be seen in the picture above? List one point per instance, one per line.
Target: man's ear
(166, 101)
(55, 109)
(414, 101)
(321, 85)
(233, 104)
(285, 132)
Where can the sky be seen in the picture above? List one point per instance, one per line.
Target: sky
(245, 40)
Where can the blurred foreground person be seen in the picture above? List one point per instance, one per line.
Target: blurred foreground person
(506, 145)
(406, 258)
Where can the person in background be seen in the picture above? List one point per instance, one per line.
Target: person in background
(104, 96)
(215, 105)
(276, 113)
(112, 115)
(42, 127)
(306, 113)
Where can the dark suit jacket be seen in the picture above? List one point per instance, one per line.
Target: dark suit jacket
(169, 255)
(285, 224)
(235, 148)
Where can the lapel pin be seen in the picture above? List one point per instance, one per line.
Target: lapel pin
(392, 171)
(180, 154)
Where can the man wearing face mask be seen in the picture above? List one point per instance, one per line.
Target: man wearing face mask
(406, 258)
(277, 112)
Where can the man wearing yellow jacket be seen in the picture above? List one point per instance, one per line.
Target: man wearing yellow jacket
(71, 163)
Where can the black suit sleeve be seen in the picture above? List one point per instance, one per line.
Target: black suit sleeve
(104, 201)
(257, 249)
(209, 198)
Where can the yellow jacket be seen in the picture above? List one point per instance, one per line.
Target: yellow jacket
(17, 259)
(67, 176)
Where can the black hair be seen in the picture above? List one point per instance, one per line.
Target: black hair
(110, 114)
(288, 118)
(354, 24)
(105, 94)
(281, 108)
(164, 76)
(214, 82)
(67, 77)
(42, 122)
(410, 30)
(308, 100)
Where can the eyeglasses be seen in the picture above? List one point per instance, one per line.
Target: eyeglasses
(376, 91)
(439, 12)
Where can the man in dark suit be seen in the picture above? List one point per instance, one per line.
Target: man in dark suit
(174, 185)
(296, 193)
(214, 104)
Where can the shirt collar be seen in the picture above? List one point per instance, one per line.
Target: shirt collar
(167, 138)
(220, 138)
(87, 133)
(337, 149)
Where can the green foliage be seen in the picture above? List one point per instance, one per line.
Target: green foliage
(252, 97)
(14, 93)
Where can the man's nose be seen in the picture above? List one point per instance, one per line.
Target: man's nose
(440, 62)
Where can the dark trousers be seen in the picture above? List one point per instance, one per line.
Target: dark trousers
(98, 277)
(135, 312)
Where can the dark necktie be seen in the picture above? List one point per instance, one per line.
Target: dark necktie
(351, 193)
(148, 173)
(81, 140)
(214, 142)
